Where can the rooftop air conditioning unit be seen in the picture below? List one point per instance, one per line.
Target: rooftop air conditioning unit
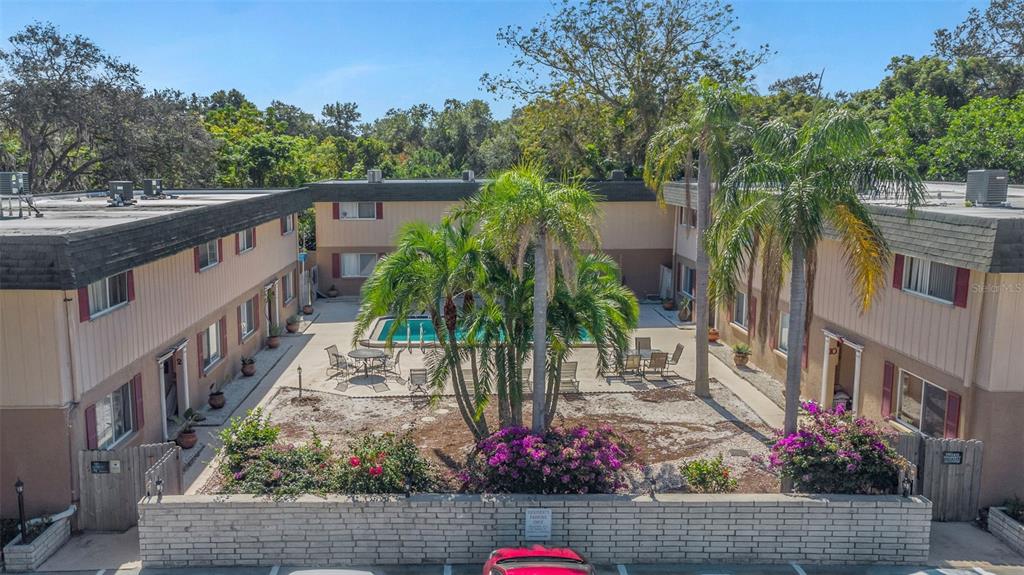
(468, 176)
(987, 187)
(13, 183)
(153, 187)
(121, 192)
(374, 176)
(618, 175)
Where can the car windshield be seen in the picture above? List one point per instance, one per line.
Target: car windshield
(541, 559)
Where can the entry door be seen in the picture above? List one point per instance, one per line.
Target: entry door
(170, 377)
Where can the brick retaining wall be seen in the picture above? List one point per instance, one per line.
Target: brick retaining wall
(1006, 528)
(340, 530)
(19, 557)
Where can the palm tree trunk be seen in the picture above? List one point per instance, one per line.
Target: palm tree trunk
(540, 328)
(701, 385)
(556, 384)
(795, 342)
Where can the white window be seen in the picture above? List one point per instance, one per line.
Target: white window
(247, 316)
(929, 278)
(739, 310)
(688, 217)
(357, 265)
(783, 343)
(211, 345)
(108, 293)
(209, 254)
(246, 240)
(921, 404)
(288, 224)
(289, 286)
(357, 210)
(689, 278)
(114, 417)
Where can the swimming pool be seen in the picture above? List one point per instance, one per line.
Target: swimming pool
(419, 329)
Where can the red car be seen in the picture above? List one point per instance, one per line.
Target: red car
(536, 560)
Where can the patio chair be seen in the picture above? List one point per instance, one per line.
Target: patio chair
(418, 380)
(676, 355)
(527, 381)
(391, 363)
(657, 363)
(569, 383)
(632, 364)
(643, 343)
(337, 363)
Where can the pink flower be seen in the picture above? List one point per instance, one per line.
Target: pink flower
(376, 470)
(276, 475)
(354, 461)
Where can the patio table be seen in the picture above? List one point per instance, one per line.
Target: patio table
(644, 354)
(367, 355)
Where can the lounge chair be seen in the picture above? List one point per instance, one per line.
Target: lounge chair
(418, 380)
(337, 363)
(643, 344)
(657, 363)
(569, 383)
(676, 355)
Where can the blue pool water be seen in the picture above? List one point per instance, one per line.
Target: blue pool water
(414, 325)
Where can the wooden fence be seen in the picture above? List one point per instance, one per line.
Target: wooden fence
(112, 482)
(948, 473)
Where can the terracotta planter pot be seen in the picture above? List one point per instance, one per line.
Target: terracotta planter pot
(332, 293)
(713, 335)
(187, 440)
(291, 327)
(307, 309)
(216, 399)
(668, 305)
(740, 359)
(273, 341)
(249, 369)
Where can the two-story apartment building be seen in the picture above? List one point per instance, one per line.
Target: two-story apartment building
(939, 351)
(357, 221)
(115, 319)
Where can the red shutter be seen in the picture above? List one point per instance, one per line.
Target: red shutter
(220, 249)
(336, 211)
(888, 377)
(295, 283)
(254, 237)
(238, 310)
(91, 441)
(963, 284)
(131, 285)
(238, 243)
(83, 303)
(679, 278)
(897, 272)
(753, 316)
(223, 336)
(952, 415)
(335, 265)
(380, 210)
(284, 225)
(773, 336)
(199, 352)
(256, 312)
(195, 256)
(140, 412)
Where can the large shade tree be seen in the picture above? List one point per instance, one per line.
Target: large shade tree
(703, 133)
(797, 184)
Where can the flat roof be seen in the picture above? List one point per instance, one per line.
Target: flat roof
(454, 190)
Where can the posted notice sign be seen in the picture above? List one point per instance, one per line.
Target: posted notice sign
(538, 524)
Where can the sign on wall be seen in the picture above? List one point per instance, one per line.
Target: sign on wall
(952, 457)
(537, 524)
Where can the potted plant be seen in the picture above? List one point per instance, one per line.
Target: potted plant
(292, 324)
(274, 339)
(332, 291)
(685, 308)
(668, 303)
(307, 309)
(740, 354)
(713, 334)
(187, 437)
(216, 398)
(248, 366)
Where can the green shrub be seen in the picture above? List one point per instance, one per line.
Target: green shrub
(245, 434)
(708, 475)
(385, 463)
(284, 470)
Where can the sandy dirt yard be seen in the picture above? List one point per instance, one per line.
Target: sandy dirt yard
(667, 425)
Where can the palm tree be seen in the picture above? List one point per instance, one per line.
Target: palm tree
(795, 185)
(521, 212)
(431, 267)
(704, 132)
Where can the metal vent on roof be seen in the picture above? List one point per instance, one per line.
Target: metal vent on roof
(374, 176)
(122, 193)
(987, 187)
(618, 175)
(153, 188)
(468, 176)
(13, 183)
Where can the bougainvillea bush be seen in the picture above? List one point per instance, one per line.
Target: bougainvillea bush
(253, 461)
(578, 460)
(837, 452)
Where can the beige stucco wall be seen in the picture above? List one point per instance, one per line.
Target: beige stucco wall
(34, 371)
(336, 233)
(1001, 336)
(635, 225)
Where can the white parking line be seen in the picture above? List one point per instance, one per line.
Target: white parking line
(799, 570)
(982, 571)
(274, 569)
(622, 569)
(101, 572)
(447, 569)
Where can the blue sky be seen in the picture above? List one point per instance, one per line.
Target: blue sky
(390, 54)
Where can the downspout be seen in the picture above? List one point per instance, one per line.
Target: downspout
(971, 361)
(74, 397)
(675, 239)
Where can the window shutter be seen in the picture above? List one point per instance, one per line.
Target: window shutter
(731, 310)
(238, 243)
(752, 312)
(140, 413)
(897, 272)
(380, 210)
(679, 279)
(131, 285)
(284, 225)
(952, 415)
(238, 310)
(220, 249)
(91, 441)
(295, 283)
(888, 377)
(336, 211)
(963, 284)
(254, 237)
(256, 312)
(199, 352)
(335, 265)
(195, 256)
(773, 334)
(83, 304)
(223, 336)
